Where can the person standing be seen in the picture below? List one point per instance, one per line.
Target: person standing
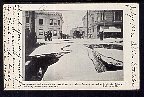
(101, 35)
(50, 36)
(61, 35)
(45, 36)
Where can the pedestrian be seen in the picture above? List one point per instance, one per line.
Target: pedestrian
(50, 36)
(45, 36)
(61, 35)
(101, 35)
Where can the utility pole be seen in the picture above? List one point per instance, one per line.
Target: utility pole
(104, 24)
(87, 24)
(33, 34)
(103, 20)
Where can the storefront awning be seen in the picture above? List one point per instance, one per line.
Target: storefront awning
(110, 29)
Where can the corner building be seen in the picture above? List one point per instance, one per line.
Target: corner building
(110, 22)
(44, 21)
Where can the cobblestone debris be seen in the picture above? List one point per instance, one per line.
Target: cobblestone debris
(101, 65)
(97, 61)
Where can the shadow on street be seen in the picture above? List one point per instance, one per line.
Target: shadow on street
(35, 70)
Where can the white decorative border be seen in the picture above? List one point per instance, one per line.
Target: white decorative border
(13, 46)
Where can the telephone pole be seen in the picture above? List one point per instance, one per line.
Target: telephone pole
(33, 33)
(87, 24)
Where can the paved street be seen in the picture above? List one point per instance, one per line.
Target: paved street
(75, 65)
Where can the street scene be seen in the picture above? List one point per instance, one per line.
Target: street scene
(73, 45)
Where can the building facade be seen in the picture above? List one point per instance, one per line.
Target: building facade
(28, 18)
(43, 22)
(108, 22)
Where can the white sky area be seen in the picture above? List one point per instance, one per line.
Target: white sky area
(72, 19)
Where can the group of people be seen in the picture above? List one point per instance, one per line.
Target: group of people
(48, 35)
(78, 34)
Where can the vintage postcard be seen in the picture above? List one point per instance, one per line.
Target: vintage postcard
(85, 46)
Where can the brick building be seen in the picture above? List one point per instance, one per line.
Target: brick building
(108, 22)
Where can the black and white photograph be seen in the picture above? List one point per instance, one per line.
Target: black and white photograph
(73, 45)
(86, 46)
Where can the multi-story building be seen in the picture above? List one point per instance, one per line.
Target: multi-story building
(28, 19)
(44, 21)
(108, 22)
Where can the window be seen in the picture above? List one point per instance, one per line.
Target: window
(59, 22)
(102, 16)
(98, 18)
(55, 33)
(118, 15)
(26, 13)
(40, 33)
(51, 21)
(92, 19)
(55, 22)
(40, 29)
(27, 19)
(40, 21)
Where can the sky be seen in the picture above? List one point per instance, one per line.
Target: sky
(72, 19)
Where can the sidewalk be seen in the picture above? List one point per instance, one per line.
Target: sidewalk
(48, 49)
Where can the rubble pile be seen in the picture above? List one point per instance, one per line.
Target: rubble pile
(102, 62)
(98, 63)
